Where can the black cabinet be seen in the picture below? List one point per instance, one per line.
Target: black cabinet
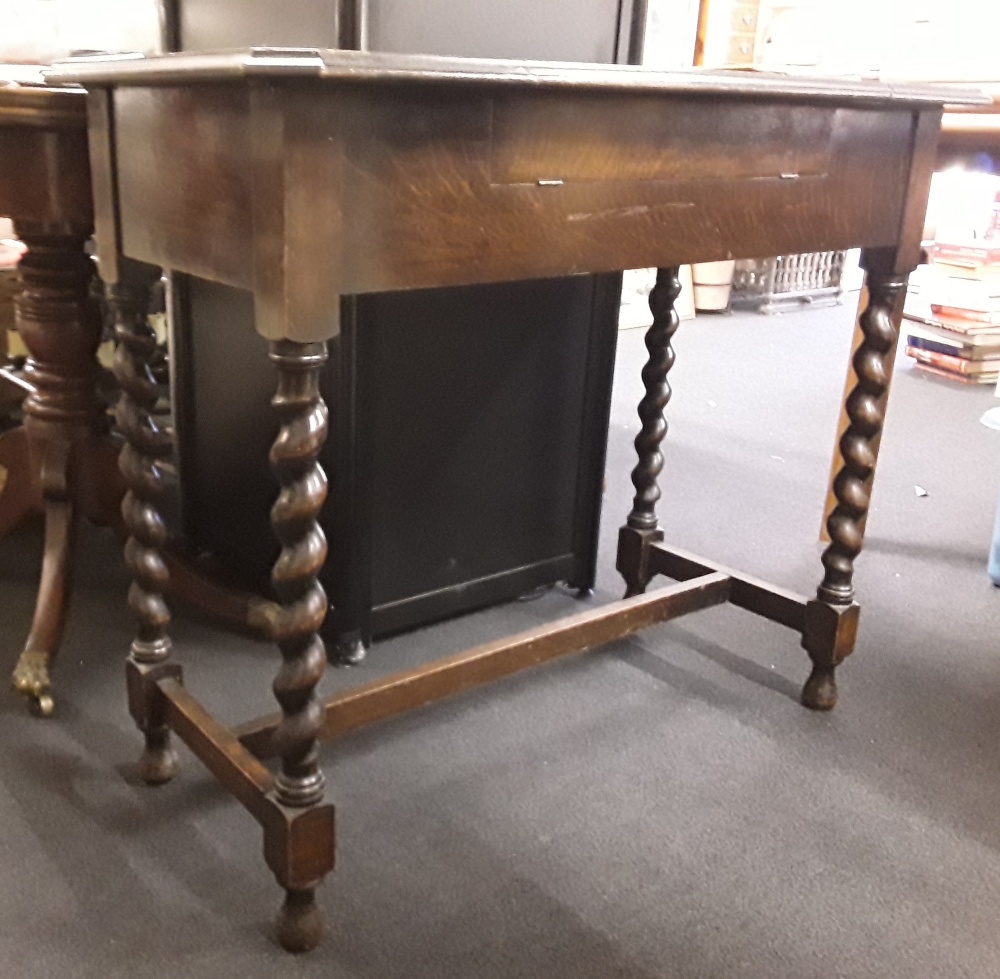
(456, 481)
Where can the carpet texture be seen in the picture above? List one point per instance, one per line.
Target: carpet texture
(659, 808)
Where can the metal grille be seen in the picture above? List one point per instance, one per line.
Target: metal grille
(788, 281)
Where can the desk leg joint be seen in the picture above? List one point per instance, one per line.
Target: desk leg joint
(299, 849)
(828, 636)
(633, 562)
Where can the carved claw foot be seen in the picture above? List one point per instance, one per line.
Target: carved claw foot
(820, 690)
(300, 922)
(31, 678)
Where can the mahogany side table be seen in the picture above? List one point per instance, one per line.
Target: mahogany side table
(307, 175)
(62, 462)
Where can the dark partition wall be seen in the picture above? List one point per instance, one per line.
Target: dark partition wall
(468, 456)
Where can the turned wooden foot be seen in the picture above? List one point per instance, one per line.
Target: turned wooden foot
(299, 924)
(158, 763)
(820, 691)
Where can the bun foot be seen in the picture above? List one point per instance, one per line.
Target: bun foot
(159, 762)
(820, 691)
(300, 922)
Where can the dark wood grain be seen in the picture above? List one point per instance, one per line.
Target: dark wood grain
(61, 327)
(308, 175)
(44, 175)
(412, 689)
(923, 158)
(642, 139)
(238, 771)
(194, 145)
(148, 445)
(45, 188)
(416, 188)
(303, 429)
(831, 624)
(780, 605)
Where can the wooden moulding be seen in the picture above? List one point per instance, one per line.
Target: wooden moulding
(401, 692)
(761, 597)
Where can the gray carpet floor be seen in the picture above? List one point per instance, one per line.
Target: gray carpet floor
(660, 808)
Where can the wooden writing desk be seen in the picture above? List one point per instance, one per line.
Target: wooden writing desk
(304, 176)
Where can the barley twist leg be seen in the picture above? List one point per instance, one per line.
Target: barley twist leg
(148, 445)
(304, 423)
(642, 527)
(831, 618)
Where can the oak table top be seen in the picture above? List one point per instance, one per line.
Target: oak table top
(304, 175)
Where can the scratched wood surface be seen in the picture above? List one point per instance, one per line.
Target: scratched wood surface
(305, 176)
(304, 198)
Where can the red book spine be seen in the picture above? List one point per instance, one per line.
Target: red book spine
(945, 361)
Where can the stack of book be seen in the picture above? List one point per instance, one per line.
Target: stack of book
(959, 337)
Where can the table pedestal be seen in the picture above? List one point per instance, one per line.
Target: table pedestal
(61, 463)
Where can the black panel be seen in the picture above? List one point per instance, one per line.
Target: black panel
(466, 414)
(465, 448)
(468, 455)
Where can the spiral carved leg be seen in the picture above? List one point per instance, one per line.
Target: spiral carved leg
(832, 617)
(304, 423)
(60, 325)
(147, 446)
(641, 527)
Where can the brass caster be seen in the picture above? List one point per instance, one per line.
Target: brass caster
(41, 705)
(31, 678)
